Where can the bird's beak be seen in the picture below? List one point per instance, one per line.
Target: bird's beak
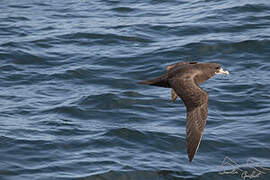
(221, 71)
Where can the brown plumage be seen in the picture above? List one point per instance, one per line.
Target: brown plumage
(184, 79)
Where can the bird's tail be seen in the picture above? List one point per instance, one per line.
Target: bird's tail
(161, 81)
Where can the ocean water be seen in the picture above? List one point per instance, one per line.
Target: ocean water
(71, 107)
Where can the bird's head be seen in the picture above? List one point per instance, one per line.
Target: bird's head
(213, 69)
(209, 70)
(219, 70)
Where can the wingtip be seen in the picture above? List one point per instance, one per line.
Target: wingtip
(191, 155)
(190, 159)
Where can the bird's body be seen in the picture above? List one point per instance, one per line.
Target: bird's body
(184, 78)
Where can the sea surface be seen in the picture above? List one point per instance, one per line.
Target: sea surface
(71, 106)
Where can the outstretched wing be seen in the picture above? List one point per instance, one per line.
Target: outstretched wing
(169, 67)
(196, 120)
(196, 101)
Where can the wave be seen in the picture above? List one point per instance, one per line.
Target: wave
(97, 38)
(143, 174)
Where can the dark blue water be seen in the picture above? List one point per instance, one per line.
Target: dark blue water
(71, 107)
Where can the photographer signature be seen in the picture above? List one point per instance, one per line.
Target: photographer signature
(234, 168)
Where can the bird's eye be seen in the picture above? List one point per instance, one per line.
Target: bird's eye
(217, 67)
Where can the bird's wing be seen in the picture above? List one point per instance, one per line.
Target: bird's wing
(196, 101)
(196, 120)
(179, 64)
(169, 67)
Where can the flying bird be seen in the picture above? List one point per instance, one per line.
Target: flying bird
(184, 78)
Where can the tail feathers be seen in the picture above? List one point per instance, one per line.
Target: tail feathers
(160, 81)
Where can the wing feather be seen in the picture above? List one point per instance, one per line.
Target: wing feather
(196, 101)
(196, 120)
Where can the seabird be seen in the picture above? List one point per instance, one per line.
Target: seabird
(184, 78)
